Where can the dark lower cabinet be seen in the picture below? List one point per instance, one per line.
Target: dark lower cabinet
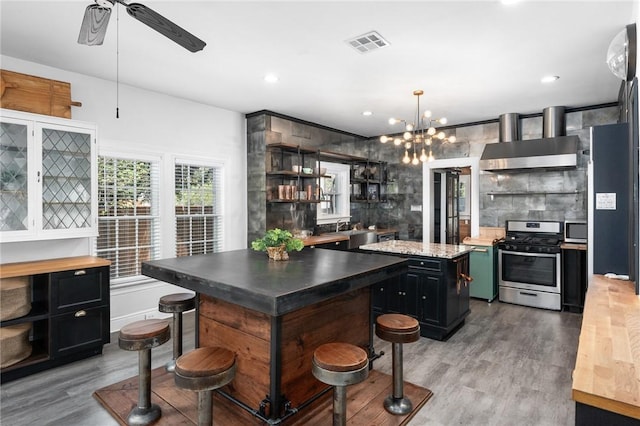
(337, 245)
(433, 291)
(574, 279)
(69, 314)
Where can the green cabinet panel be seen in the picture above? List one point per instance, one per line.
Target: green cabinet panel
(483, 269)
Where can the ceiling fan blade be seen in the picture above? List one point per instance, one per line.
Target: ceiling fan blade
(94, 25)
(165, 27)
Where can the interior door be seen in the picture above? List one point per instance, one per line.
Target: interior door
(452, 214)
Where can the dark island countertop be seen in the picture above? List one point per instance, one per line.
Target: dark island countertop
(249, 279)
(416, 248)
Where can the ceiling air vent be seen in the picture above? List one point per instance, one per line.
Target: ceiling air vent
(368, 42)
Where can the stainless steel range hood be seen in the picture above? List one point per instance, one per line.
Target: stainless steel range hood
(553, 152)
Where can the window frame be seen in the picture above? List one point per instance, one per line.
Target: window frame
(220, 206)
(344, 171)
(135, 156)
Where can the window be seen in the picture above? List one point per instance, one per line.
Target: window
(334, 185)
(198, 195)
(128, 217)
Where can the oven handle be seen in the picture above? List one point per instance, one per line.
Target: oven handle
(520, 253)
(524, 293)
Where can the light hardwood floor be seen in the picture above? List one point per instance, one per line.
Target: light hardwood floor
(508, 365)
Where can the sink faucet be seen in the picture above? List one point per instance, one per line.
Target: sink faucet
(344, 220)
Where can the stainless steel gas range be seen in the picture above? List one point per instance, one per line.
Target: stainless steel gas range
(529, 264)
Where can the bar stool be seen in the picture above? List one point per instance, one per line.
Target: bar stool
(203, 370)
(141, 336)
(340, 365)
(176, 304)
(397, 329)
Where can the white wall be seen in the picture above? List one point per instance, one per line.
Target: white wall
(154, 124)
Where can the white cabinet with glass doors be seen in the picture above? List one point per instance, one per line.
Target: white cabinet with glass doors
(48, 171)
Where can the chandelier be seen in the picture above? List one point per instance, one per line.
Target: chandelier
(418, 135)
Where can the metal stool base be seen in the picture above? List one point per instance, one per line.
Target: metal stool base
(398, 406)
(143, 416)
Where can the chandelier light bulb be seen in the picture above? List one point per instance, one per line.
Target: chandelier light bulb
(441, 135)
(397, 141)
(406, 159)
(427, 114)
(430, 156)
(409, 127)
(384, 139)
(392, 121)
(452, 139)
(415, 160)
(407, 136)
(443, 120)
(423, 156)
(431, 131)
(428, 141)
(407, 145)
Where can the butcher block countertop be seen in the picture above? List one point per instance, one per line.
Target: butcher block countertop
(607, 372)
(10, 270)
(332, 237)
(416, 248)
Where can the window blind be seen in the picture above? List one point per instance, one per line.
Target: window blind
(198, 195)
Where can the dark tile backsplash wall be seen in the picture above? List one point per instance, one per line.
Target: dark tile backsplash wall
(538, 195)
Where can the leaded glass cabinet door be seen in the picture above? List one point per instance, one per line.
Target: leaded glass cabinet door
(16, 150)
(68, 180)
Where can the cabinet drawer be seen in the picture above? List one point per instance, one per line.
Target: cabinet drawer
(80, 330)
(431, 265)
(79, 289)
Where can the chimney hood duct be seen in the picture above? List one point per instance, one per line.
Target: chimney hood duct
(554, 151)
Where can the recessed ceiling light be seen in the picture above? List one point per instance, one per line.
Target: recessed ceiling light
(509, 2)
(271, 78)
(367, 113)
(549, 79)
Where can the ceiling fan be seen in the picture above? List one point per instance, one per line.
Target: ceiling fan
(96, 18)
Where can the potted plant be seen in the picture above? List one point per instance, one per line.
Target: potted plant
(277, 243)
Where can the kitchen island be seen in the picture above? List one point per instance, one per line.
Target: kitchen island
(435, 289)
(274, 314)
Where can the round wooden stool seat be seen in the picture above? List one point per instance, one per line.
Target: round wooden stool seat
(205, 368)
(177, 302)
(397, 328)
(145, 334)
(340, 364)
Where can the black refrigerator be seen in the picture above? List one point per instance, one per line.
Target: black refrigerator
(610, 209)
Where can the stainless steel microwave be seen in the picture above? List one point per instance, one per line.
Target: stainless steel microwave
(575, 231)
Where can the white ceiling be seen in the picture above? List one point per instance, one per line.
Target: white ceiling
(475, 60)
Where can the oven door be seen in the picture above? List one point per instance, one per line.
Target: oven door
(529, 271)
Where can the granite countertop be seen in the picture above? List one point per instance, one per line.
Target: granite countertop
(417, 248)
(249, 279)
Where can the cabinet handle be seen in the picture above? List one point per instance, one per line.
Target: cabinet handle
(79, 314)
(481, 250)
(424, 297)
(38, 176)
(80, 272)
(381, 288)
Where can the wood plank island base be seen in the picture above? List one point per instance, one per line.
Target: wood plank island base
(179, 406)
(274, 314)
